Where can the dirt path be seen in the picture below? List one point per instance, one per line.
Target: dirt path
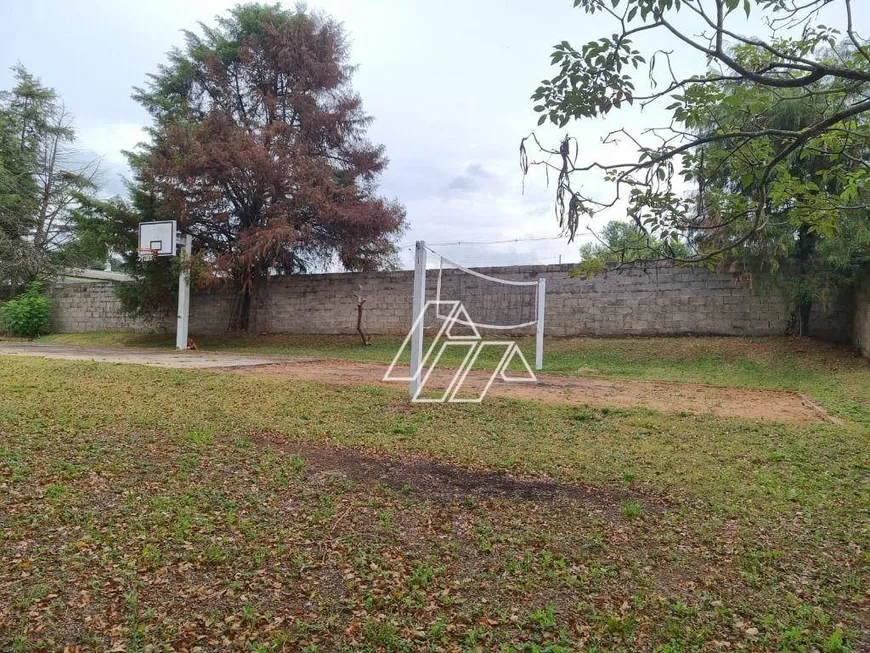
(768, 405)
(772, 405)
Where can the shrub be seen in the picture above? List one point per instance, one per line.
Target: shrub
(28, 314)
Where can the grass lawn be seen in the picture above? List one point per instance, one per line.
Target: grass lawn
(833, 376)
(151, 509)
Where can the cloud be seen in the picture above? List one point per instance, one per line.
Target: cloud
(475, 177)
(450, 118)
(109, 140)
(112, 176)
(477, 170)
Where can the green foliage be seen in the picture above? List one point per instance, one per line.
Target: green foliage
(624, 242)
(42, 181)
(154, 288)
(815, 240)
(18, 193)
(632, 508)
(112, 226)
(106, 226)
(754, 107)
(544, 618)
(27, 315)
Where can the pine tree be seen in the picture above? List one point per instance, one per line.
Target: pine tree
(258, 149)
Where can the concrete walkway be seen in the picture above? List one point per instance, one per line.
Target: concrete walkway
(155, 357)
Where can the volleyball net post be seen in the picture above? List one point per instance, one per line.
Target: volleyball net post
(521, 310)
(418, 303)
(539, 325)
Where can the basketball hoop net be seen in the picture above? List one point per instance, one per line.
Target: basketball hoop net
(146, 254)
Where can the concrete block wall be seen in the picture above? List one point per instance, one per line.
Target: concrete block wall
(93, 306)
(659, 300)
(327, 303)
(654, 300)
(833, 317)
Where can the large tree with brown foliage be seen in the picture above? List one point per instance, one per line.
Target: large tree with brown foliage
(259, 150)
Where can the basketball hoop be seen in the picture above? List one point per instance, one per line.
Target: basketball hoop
(146, 254)
(159, 239)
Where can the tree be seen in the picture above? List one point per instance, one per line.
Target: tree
(43, 179)
(802, 249)
(801, 59)
(108, 226)
(619, 243)
(17, 209)
(258, 149)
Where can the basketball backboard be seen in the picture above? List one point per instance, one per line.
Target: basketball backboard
(158, 236)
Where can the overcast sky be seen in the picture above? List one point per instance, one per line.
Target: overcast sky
(448, 84)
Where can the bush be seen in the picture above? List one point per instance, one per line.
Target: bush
(28, 314)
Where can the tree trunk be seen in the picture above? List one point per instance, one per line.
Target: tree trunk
(804, 251)
(803, 318)
(240, 316)
(245, 310)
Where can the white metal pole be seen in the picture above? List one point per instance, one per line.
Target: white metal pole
(184, 295)
(418, 301)
(539, 335)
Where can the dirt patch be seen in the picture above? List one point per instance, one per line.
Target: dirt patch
(432, 480)
(697, 398)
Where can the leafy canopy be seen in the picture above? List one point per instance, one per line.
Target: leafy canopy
(816, 240)
(258, 148)
(623, 242)
(799, 59)
(42, 182)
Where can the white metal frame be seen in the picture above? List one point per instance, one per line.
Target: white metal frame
(418, 303)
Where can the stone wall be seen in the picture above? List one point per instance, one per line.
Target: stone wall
(658, 300)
